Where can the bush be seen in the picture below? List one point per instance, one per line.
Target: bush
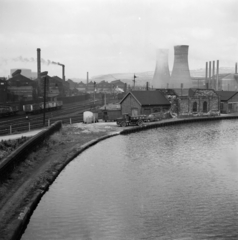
(8, 146)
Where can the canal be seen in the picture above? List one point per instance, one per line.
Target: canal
(175, 182)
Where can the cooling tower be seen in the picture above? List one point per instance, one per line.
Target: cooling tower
(161, 75)
(180, 74)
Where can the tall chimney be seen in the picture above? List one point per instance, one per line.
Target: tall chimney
(210, 73)
(217, 80)
(87, 82)
(147, 86)
(161, 74)
(206, 80)
(63, 71)
(38, 65)
(236, 69)
(213, 75)
(180, 73)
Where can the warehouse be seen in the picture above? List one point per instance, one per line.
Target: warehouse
(144, 102)
(228, 101)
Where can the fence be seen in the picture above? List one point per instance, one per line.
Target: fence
(29, 126)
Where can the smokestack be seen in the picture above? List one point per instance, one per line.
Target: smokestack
(87, 82)
(180, 73)
(236, 69)
(147, 86)
(206, 81)
(213, 75)
(161, 74)
(125, 87)
(210, 72)
(217, 82)
(63, 71)
(38, 65)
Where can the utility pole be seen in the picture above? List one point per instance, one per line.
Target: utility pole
(44, 75)
(94, 84)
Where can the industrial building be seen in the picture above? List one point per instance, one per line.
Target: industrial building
(144, 102)
(228, 101)
(199, 102)
(22, 87)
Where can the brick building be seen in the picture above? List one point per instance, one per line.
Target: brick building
(199, 102)
(144, 102)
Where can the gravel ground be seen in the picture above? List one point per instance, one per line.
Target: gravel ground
(40, 167)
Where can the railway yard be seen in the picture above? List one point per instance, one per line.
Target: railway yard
(70, 113)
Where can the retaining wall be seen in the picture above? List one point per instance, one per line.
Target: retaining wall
(7, 164)
(174, 122)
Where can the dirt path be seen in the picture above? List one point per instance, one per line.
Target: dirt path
(40, 167)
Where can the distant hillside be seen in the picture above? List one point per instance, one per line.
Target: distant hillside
(143, 77)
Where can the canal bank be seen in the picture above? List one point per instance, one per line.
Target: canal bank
(32, 189)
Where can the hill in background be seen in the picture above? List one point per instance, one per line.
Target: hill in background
(143, 77)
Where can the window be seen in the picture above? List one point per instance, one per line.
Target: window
(195, 107)
(205, 107)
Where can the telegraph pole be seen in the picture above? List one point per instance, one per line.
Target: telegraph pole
(44, 75)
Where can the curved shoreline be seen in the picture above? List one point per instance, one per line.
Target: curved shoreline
(25, 215)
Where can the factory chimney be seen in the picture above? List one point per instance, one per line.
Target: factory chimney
(206, 81)
(217, 80)
(236, 69)
(63, 71)
(38, 65)
(161, 74)
(180, 74)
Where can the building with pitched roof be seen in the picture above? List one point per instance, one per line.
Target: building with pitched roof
(144, 102)
(20, 86)
(228, 101)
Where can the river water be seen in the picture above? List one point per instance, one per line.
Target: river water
(175, 182)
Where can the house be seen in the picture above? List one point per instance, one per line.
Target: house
(199, 102)
(144, 102)
(228, 101)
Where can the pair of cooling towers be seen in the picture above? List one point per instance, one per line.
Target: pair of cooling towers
(180, 76)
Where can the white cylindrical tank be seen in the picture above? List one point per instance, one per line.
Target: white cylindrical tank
(180, 74)
(88, 117)
(161, 74)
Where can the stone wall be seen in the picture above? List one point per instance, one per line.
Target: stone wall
(186, 105)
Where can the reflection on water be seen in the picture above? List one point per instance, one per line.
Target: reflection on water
(177, 182)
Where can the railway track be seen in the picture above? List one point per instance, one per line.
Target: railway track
(70, 113)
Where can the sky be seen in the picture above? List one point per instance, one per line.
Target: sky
(114, 36)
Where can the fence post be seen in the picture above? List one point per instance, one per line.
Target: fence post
(10, 129)
(29, 126)
(48, 122)
(70, 121)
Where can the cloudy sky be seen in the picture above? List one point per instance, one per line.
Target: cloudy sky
(114, 36)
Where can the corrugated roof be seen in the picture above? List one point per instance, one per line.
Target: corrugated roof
(226, 95)
(150, 97)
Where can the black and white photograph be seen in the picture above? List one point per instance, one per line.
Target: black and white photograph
(118, 120)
